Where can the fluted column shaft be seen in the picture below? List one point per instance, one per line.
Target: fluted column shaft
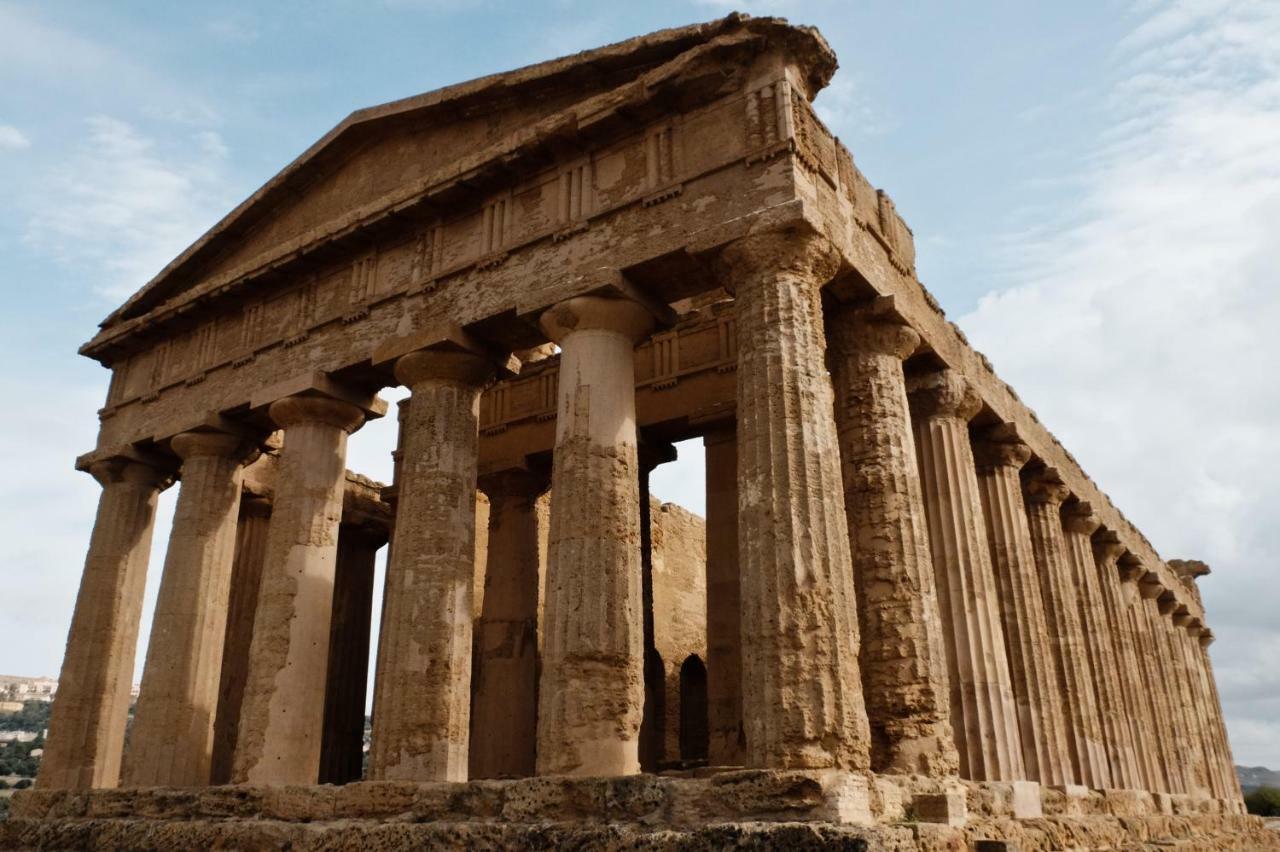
(1119, 599)
(1226, 762)
(1160, 681)
(727, 739)
(1042, 722)
(983, 712)
(172, 740)
(1044, 496)
(421, 724)
(347, 681)
(802, 692)
(1150, 685)
(591, 694)
(1188, 653)
(246, 577)
(1078, 525)
(1187, 725)
(903, 658)
(86, 730)
(282, 712)
(504, 709)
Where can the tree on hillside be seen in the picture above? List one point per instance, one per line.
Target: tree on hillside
(1264, 801)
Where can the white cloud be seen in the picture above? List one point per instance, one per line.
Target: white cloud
(123, 205)
(1143, 331)
(12, 139)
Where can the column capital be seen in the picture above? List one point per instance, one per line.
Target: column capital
(803, 253)
(295, 410)
(943, 393)
(1107, 546)
(120, 468)
(597, 313)
(1045, 486)
(186, 445)
(1000, 446)
(514, 482)
(865, 330)
(1078, 517)
(458, 367)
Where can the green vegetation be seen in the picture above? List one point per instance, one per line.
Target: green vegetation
(1264, 801)
(34, 716)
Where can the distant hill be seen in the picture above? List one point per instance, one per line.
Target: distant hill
(1252, 777)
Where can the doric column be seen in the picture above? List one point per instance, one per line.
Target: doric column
(660, 721)
(1187, 653)
(246, 577)
(591, 693)
(86, 730)
(1000, 457)
(504, 707)
(1186, 724)
(347, 681)
(421, 715)
(799, 613)
(983, 712)
(1045, 493)
(727, 740)
(904, 658)
(282, 712)
(1119, 597)
(172, 740)
(1078, 525)
(1152, 685)
(1232, 794)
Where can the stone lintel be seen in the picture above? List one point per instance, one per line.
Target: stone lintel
(443, 337)
(319, 384)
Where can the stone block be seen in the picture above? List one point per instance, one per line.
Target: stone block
(945, 807)
(996, 846)
(375, 799)
(298, 803)
(1163, 803)
(1127, 803)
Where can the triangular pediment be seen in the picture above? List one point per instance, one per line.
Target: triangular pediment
(376, 153)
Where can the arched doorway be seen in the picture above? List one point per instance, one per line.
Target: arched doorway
(693, 709)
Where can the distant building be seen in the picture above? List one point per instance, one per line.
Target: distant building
(21, 689)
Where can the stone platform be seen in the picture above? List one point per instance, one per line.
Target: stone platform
(738, 810)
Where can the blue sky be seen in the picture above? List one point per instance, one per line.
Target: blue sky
(1094, 189)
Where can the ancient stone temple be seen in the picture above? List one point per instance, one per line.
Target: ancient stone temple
(917, 622)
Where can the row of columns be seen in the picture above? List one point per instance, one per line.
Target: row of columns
(892, 594)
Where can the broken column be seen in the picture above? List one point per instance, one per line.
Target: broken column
(983, 711)
(172, 737)
(504, 708)
(799, 615)
(1000, 457)
(727, 739)
(904, 661)
(422, 704)
(86, 729)
(282, 713)
(591, 693)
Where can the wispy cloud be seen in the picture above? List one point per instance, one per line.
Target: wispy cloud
(12, 139)
(1143, 329)
(123, 205)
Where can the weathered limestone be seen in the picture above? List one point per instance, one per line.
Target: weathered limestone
(1159, 680)
(1000, 458)
(1150, 682)
(984, 714)
(422, 706)
(1118, 598)
(504, 709)
(591, 692)
(1045, 493)
(173, 729)
(727, 737)
(799, 614)
(1078, 525)
(242, 605)
(347, 679)
(903, 659)
(282, 715)
(86, 731)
